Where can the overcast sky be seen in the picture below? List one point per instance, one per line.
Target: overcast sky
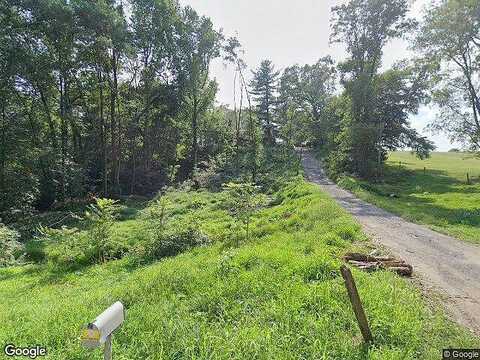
(290, 32)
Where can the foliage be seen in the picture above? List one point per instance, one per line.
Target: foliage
(91, 92)
(277, 297)
(101, 217)
(64, 248)
(304, 93)
(264, 88)
(10, 248)
(448, 42)
(242, 201)
(380, 103)
(170, 242)
(158, 212)
(71, 247)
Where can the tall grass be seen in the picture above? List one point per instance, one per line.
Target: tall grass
(277, 296)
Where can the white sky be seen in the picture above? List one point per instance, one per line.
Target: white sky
(289, 32)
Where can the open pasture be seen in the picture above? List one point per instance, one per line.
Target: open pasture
(434, 192)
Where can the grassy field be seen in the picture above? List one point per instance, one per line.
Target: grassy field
(433, 192)
(277, 296)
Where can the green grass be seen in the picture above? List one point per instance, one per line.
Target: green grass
(276, 296)
(438, 197)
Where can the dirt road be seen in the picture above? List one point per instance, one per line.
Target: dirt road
(449, 266)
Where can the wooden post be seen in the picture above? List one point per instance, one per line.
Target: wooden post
(356, 304)
(468, 178)
(424, 170)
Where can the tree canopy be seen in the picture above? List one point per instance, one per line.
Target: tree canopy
(116, 97)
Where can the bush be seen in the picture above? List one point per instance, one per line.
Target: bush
(35, 251)
(64, 247)
(70, 247)
(158, 212)
(10, 249)
(209, 175)
(170, 242)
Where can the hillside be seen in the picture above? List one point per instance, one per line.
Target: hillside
(278, 295)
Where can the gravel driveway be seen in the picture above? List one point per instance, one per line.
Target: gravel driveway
(442, 263)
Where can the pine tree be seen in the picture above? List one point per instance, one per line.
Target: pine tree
(264, 90)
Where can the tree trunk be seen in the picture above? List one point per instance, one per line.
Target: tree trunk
(3, 148)
(253, 141)
(195, 134)
(64, 134)
(134, 170)
(114, 125)
(51, 124)
(238, 124)
(103, 135)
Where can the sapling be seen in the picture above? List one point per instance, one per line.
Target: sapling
(158, 213)
(243, 200)
(102, 216)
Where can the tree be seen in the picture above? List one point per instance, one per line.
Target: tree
(449, 41)
(243, 200)
(264, 89)
(365, 27)
(304, 93)
(200, 45)
(97, 99)
(232, 50)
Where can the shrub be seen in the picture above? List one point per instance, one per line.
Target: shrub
(10, 249)
(70, 247)
(170, 242)
(63, 247)
(208, 174)
(35, 251)
(176, 242)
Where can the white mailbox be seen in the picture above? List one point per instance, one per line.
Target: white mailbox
(99, 332)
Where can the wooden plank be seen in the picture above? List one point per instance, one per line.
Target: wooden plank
(356, 304)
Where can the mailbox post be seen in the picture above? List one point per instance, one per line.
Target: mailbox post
(99, 332)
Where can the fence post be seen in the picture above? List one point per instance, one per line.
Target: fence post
(356, 304)
(468, 178)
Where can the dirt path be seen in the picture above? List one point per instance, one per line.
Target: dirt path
(447, 265)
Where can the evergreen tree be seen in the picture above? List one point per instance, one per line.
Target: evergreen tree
(264, 87)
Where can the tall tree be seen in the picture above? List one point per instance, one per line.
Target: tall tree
(307, 90)
(449, 41)
(264, 87)
(200, 44)
(365, 27)
(100, 99)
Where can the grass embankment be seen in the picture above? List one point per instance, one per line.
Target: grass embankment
(277, 296)
(438, 196)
